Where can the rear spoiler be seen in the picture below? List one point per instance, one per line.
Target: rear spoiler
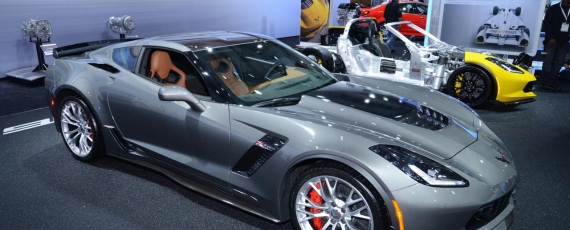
(83, 47)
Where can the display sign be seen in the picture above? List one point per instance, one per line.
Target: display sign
(507, 27)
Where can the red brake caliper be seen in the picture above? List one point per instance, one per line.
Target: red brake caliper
(91, 129)
(317, 222)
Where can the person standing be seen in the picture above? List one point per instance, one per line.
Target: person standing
(555, 23)
(392, 13)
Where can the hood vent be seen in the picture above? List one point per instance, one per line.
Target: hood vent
(426, 118)
(382, 103)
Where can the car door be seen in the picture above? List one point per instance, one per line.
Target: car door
(410, 13)
(421, 11)
(171, 132)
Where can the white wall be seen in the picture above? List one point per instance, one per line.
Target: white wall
(76, 21)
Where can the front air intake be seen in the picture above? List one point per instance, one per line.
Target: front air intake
(488, 212)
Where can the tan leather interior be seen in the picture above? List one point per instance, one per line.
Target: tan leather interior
(161, 65)
(291, 73)
(227, 75)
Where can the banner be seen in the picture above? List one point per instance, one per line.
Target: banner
(497, 26)
(314, 19)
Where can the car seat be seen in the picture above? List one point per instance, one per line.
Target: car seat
(375, 44)
(161, 65)
(225, 71)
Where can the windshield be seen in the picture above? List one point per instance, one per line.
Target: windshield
(261, 71)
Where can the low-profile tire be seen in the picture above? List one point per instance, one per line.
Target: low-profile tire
(80, 130)
(321, 56)
(338, 193)
(470, 85)
(495, 10)
(518, 11)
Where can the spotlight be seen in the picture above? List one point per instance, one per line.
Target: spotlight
(122, 25)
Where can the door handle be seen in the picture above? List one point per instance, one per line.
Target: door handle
(421, 17)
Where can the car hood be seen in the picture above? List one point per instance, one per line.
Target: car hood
(410, 120)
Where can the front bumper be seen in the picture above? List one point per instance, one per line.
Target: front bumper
(487, 203)
(426, 208)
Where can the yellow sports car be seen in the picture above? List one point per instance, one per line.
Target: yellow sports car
(314, 17)
(510, 84)
(473, 78)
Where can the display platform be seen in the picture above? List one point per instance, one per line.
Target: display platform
(27, 76)
(34, 76)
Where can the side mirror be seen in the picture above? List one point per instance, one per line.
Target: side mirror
(177, 93)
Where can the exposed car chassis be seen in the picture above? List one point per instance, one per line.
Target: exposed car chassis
(428, 66)
(475, 76)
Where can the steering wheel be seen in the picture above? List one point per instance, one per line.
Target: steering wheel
(278, 66)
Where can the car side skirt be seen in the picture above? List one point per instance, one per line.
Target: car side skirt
(201, 188)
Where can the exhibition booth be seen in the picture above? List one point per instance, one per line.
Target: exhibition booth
(308, 114)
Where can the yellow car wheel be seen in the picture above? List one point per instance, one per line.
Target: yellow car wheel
(470, 85)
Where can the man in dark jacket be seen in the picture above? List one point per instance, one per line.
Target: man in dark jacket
(556, 23)
(392, 13)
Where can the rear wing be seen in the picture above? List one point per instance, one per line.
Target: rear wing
(83, 47)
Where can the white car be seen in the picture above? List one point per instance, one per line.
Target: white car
(504, 28)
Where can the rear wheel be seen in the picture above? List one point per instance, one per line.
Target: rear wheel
(333, 196)
(470, 85)
(79, 129)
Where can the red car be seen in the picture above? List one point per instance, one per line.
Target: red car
(415, 12)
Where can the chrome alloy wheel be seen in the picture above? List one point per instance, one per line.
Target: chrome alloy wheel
(76, 129)
(328, 202)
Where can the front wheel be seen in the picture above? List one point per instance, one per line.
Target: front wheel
(79, 129)
(334, 196)
(470, 85)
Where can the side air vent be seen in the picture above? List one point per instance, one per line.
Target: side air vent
(387, 66)
(257, 155)
(105, 67)
(426, 118)
(120, 140)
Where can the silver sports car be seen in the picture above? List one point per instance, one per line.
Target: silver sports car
(249, 121)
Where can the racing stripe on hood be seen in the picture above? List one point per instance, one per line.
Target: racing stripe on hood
(382, 103)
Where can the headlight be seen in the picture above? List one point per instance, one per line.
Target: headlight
(505, 65)
(420, 168)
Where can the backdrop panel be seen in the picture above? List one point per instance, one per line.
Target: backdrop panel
(85, 20)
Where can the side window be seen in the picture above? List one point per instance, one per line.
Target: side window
(422, 9)
(172, 68)
(407, 8)
(126, 57)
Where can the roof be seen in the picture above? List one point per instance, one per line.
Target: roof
(210, 39)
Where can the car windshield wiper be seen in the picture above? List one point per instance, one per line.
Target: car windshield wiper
(278, 101)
